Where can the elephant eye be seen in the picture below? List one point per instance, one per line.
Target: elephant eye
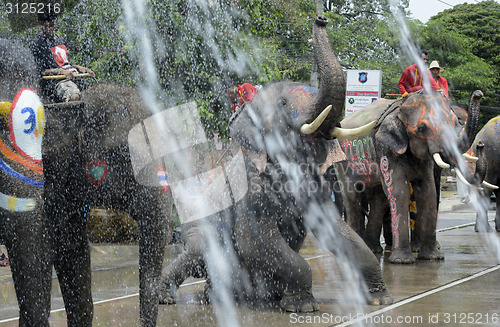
(422, 129)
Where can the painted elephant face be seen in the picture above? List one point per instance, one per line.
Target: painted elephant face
(428, 120)
(275, 115)
(429, 126)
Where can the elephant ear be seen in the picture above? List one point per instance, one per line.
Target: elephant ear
(392, 134)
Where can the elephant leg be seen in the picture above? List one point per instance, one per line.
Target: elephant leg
(437, 181)
(355, 208)
(152, 244)
(482, 224)
(414, 230)
(426, 220)
(378, 205)
(64, 213)
(273, 265)
(28, 248)
(71, 256)
(292, 230)
(189, 263)
(497, 215)
(349, 245)
(386, 229)
(398, 194)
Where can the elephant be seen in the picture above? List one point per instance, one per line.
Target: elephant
(287, 132)
(396, 159)
(21, 182)
(486, 147)
(87, 165)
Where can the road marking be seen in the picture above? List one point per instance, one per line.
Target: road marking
(419, 296)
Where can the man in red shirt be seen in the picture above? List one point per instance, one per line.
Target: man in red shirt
(240, 94)
(441, 81)
(411, 79)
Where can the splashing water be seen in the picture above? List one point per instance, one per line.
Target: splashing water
(220, 258)
(140, 33)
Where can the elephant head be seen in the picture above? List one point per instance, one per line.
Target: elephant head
(426, 124)
(485, 149)
(17, 69)
(293, 109)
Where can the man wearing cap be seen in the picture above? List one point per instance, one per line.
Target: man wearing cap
(441, 81)
(51, 57)
(411, 80)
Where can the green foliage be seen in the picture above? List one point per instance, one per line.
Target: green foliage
(94, 26)
(466, 42)
(363, 38)
(480, 22)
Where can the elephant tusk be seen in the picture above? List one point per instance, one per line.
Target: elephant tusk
(344, 133)
(462, 178)
(439, 161)
(470, 158)
(490, 186)
(312, 127)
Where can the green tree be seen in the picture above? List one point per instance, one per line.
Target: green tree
(466, 41)
(363, 35)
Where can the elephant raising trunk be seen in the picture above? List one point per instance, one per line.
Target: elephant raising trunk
(332, 88)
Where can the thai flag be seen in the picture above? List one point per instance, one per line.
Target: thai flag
(162, 178)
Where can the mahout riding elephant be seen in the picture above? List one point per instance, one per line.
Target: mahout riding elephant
(22, 228)
(288, 131)
(87, 165)
(486, 147)
(411, 135)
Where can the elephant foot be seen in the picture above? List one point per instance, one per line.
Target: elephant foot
(207, 293)
(483, 228)
(299, 302)
(415, 247)
(166, 294)
(380, 295)
(401, 256)
(376, 248)
(431, 254)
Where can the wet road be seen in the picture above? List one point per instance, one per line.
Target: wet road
(462, 290)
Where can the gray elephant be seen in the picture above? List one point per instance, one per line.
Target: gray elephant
(398, 156)
(289, 131)
(87, 164)
(21, 182)
(486, 147)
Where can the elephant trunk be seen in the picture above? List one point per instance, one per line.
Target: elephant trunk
(481, 163)
(477, 175)
(476, 172)
(471, 126)
(332, 81)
